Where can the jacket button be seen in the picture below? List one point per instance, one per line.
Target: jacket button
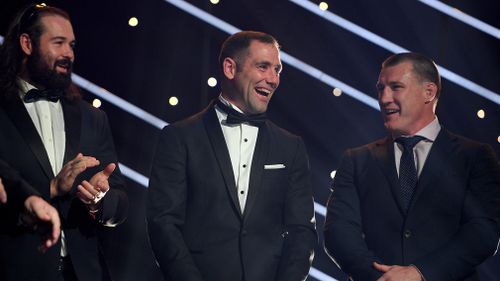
(407, 234)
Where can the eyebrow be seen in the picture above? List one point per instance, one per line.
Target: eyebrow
(61, 38)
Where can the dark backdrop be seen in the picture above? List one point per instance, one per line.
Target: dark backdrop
(172, 53)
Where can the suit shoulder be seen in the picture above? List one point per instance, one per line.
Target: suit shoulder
(367, 147)
(464, 141)
(462, 145)
(87, 109)
(190, 124)
(190, 121)
(280, 132)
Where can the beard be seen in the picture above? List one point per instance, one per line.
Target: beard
(41, 73)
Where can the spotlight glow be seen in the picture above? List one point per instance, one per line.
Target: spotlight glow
(481, 114)
(323, 6)
(173, 101)
(214, 2)
(96, 103)
(133, 21)
(333, 173)
(337, 92)
(212, 82)
(498, 139)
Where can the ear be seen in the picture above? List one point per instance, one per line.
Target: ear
(430, 92)
(25, 42)
(229, 68)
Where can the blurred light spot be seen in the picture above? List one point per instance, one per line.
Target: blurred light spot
(133, 21)
(481, 114)
(173, 101)
(337, 92)
(212, 82)
(323, 6)
(214, 2)
(498, 139)
(96, 103)
(333, 173)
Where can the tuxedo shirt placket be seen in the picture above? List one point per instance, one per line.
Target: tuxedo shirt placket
(240, 141)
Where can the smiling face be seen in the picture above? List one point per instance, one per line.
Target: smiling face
(49, 62)
(406, 102)
(253, 77)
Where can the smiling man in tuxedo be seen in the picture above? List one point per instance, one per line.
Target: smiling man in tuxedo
(229, 193)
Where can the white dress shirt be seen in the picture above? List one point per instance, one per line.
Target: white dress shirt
(240, 141)
(421, 149)
(48, 119)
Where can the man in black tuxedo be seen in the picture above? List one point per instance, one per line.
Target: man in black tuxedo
(229, 192)
(420, 204)
(60, 146)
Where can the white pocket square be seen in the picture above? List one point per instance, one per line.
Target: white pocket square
(274, 166)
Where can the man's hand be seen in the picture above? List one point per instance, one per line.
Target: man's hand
(43, 218)
(3, 194)
(92, 191)
(63, 182)
(398, 273)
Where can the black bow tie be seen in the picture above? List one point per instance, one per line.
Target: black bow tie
(34, 95)
(235, 117)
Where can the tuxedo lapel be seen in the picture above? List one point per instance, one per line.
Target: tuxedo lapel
(259, 159)
(214, 132)
(384, 153)
(21, 119)
(72, 127)
(434, 164)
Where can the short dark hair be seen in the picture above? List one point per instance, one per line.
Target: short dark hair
(236, 44)
(424, 68)
(11, 55)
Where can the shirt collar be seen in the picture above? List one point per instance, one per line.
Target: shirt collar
(429, 132)
(24, 87)
(226, 102)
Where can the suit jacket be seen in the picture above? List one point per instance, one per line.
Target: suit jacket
(87, 131)
(197, 229)
(452, 224)
(18, 190)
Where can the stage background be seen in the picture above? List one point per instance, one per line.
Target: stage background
(172, 52)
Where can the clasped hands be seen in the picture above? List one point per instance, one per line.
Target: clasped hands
(90, 192)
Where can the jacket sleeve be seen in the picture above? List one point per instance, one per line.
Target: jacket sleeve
(97, 141)
(344, 241)
(17, 189)
(167, 209)
(300, 229)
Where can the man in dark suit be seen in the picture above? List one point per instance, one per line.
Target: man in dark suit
(229, 193)
(34, 211)
(421, 204)
(47, 133)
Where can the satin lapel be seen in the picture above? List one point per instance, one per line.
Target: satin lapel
(21, 119)
(214, 132)
(259, 159)
(72, 126)
(384, 153)
(434, 164)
